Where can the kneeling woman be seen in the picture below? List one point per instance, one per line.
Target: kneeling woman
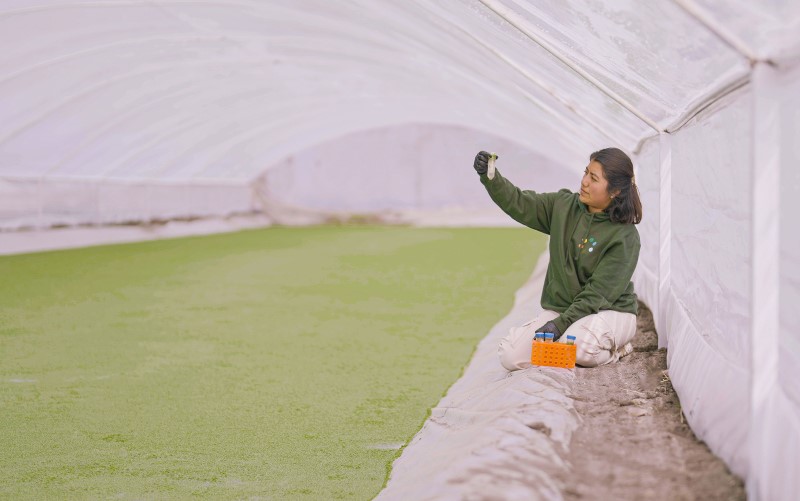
(594, 247)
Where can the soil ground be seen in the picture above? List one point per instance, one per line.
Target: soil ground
(634, 442)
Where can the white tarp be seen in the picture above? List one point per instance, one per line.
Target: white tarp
(42, 203)
(480, 442)
(119, 109)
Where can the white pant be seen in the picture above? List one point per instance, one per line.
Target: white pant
(597, 338)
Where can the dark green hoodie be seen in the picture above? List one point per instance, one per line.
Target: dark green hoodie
(591, 258)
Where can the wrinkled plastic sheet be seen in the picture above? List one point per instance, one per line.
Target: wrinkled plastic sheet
(495, 431)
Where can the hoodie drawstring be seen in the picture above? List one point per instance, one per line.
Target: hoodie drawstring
(586, 235)
(591, 220)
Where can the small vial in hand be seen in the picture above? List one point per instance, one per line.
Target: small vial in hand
(490, 165)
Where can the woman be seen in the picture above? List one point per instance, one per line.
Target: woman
(594, 247)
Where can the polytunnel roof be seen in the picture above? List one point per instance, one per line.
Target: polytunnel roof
(221, 90)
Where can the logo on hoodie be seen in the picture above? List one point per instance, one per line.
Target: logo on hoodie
(587, 245)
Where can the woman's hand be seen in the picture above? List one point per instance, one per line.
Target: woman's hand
(550, 327)
(482, 162)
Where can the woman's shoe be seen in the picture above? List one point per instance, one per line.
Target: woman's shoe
(625, 350)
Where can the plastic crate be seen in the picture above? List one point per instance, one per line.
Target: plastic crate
(553, 354)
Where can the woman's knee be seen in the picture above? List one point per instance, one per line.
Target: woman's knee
(593, 349)
(514, 350)
(587, 355)
(507, 356)
(515, 355)
(508, 364)
(594, 341)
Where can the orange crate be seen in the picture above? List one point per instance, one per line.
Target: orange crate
(553, 354)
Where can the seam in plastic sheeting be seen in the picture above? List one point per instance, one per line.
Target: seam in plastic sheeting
(789, 342)
(536, 81)
(775, 42)
(665, 234)
(699, 104)
(513, 20)
(718, 29)
(764, 340)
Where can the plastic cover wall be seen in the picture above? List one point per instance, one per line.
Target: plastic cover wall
(711, 254)
(708, 305)
(779, 437)
(789, 339)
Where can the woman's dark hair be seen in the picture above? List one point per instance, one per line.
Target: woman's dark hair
(625, 206)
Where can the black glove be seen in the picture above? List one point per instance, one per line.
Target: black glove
(550, 327)
(482, 162)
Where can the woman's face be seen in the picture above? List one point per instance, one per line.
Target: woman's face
(594, 188)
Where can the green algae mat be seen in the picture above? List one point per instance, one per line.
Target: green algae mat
(283, 363)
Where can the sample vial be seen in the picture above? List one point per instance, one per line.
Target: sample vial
(490, 165)
(548, 337)
(539, 336)
(570, 339)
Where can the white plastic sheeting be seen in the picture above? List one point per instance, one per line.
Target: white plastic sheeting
(31, 203)
(789, 240)
(246, 95)
(774, 403)
(725, 276)
(706, 308)
(495, 435)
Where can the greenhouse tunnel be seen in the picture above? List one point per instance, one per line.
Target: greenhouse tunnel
(246, 113)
